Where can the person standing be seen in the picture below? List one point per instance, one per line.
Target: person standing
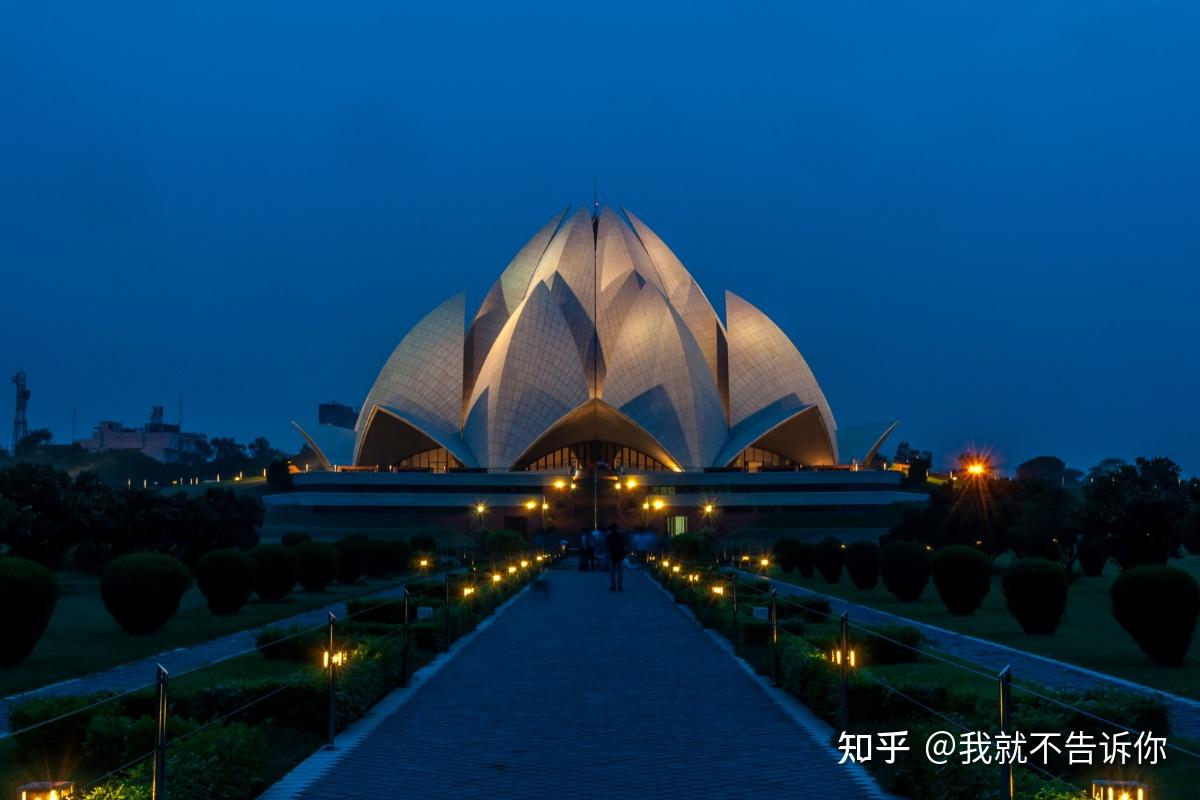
(587, 553)
(614, 543)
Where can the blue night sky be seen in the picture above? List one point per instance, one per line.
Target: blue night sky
(982, 221)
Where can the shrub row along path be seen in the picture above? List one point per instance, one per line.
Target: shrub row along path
(135, 674)
(1052, 674)
(586, 693)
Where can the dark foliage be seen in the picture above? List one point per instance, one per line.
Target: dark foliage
(785, 554)
(29, 593)
(142, 590)
(829, 557)
(904, 568)
(963, 577)
(293, 538)
(805, 558)
(226, 578)
(353, 563)
(379, 558)
(423, 543)
(862, 564)
(318, 565)
(1035, 590)
(1093, 555)
(278, 569)
(401, 555)
(1158, 607)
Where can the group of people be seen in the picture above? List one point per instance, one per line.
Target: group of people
(599, 550)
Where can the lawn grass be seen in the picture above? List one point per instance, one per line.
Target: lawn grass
(82, 638)
(1088, 636)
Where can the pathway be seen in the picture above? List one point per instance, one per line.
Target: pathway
(1026, 666)
(586, 693)
(135, 674)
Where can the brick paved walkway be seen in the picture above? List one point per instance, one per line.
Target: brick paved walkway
(141, 672)
(1185, 713)
(589, 694)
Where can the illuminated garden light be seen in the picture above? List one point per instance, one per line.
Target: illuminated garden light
(531, 505)
(339, 658)
(496, 577)
(468, 591)
(836, 657)
(658, 505)
(560, 484)
(512, 570)
(718, 589)
(1119, 790)
(47, 790)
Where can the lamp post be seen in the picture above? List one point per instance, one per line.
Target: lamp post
(480, 510)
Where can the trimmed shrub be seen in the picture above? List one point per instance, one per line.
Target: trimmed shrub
(30, 593)
(1035, 590)
(293, 539)
(401, 555)
(423, 543)
(862, 564)
(962, 576)
(1093, 555)
(815, 609)
(142, 590)
(828, 556)
(690, 548)
(904, 568)
(278, 567)
(318, 564)
(805, 558)
(501, 545)
(1158, 607)
(226, 579)
(353, 552)
(379, 558)
(785, 555)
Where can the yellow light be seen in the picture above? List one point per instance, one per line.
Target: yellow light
(976, 468)
(766, 562)
(531, 505)
(666, 562)
(708, 508)
(560, 484)
(496, 577)
(545, 506)
(718, 590)
(479, 509)
(468, 591)
(658, 504)
(572, 484)
(424, 562)
(645, 506)
(630, 484)
(524, 564)
(512, 570)
(745, 558)
(675, 568)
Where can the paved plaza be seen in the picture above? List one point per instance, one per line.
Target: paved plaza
(586, 693)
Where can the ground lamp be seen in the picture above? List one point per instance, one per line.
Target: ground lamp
(837, 655)
(47, 790)
(339, 658)
(468, 591)
(424, 562)
(1120, 790)
(718, 589)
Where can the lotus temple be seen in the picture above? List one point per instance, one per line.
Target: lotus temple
(596, 383)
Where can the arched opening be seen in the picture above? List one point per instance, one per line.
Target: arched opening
(596, 432)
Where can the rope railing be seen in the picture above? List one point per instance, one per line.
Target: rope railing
(419, 591)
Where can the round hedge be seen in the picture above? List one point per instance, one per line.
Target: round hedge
(319, 565)
(293, 539)
(401, 555)
(962, 576)
(805, 558)
(30, 593)
(784, 554)
(142, 590)
(1093, 555)
(1157, 606)
(353, 552)
(379, 558)
(904, 568)
(1035, 590)
(829, 557)
(862, 564)
(226, 579)
(278, 568)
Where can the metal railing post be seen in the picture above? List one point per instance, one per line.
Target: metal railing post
(404, 657)
(158, 780)
(737, 646)
(331, 731)
(845, 669)
(1005, 680)
(774, 639)
(446, 615)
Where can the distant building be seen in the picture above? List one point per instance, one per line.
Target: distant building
(159, 440)
(338, 414)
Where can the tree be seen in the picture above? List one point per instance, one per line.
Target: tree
(32, 442)
(1140, 510)
(1050, 469)
(1047, 524)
